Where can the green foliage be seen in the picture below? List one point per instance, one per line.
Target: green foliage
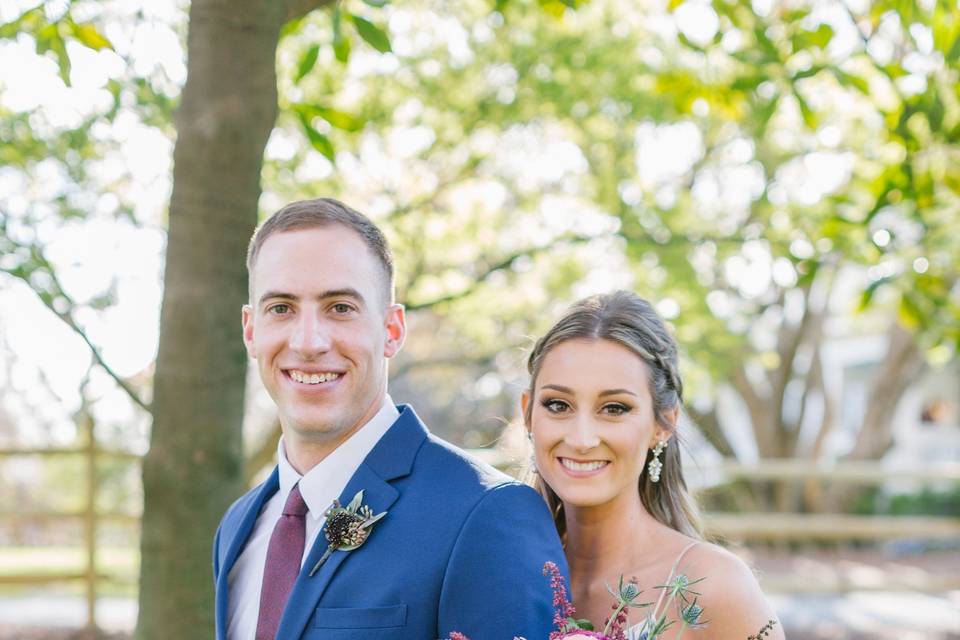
(51, 37)
(588, 87)
(371, 33)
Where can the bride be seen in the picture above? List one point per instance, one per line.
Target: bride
(602, 409)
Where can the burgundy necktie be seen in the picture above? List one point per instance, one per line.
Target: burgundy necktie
(283, 564)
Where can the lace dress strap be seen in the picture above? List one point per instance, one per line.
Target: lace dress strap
(676, 563)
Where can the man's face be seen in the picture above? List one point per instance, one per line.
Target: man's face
(321, 332)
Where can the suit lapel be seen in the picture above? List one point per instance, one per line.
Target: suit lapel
(235, 540)
(390, 459)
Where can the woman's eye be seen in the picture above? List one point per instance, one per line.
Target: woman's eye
(555, 406)
(615, 409)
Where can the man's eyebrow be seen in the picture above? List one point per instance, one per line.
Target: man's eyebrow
(346, 292)
(269, 295)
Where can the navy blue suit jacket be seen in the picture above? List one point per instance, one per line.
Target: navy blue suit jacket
(461, 548)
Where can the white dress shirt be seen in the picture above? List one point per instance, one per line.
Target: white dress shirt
(320, 486)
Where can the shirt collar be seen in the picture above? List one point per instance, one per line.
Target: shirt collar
(323, 483)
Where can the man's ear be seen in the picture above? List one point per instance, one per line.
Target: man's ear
(396, 326)
(246, 319)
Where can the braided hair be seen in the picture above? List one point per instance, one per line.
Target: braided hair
(629, 320)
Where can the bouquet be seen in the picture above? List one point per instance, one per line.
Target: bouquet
(677, 595)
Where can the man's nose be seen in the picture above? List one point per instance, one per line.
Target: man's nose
(310, 337)
(583, 436)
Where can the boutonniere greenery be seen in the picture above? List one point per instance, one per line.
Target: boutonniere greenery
(347, 527)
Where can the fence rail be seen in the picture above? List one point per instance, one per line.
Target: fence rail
(744, 526)
(852, 471)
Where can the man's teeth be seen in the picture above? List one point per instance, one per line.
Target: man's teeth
(313, 378)
(582, 466)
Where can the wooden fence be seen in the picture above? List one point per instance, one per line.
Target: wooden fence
(89, 515)
(754, 526)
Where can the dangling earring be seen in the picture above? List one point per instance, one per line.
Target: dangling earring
(655, 465)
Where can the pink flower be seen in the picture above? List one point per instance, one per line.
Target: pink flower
(562, 609)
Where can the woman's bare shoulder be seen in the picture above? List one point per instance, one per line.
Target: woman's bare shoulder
(733, 604)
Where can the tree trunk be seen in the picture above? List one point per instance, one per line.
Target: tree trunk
(194, 467)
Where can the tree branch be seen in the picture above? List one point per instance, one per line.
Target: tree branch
(504, 263)
(759, 412)
(894, 374)
(296, 9)
(48, 299)
(709, 425)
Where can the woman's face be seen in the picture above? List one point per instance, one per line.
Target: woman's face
(592, 421)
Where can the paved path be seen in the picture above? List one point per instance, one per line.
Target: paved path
(880, 615)
(877, 596)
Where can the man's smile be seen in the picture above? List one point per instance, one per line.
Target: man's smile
(306, 377)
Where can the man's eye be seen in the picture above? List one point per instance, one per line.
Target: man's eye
(555, 406)
(278, 309)
(615, 409)
(342, 308)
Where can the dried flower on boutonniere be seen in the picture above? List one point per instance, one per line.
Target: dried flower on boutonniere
(347, 527)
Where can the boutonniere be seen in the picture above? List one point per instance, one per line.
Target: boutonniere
(347, 527)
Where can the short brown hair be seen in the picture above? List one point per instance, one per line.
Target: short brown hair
(323, 212)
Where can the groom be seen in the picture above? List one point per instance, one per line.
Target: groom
(460, 548)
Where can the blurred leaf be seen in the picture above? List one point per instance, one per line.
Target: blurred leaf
(319, 141)
(910, 313)
(335, 117)
(850, 80)
(867, 296)
(809, 39)
(341, 43)
(809, 117)
(687, 42)
(88, 35)
(27, 22)
(747, 83)
(809, 73)
(339, 119)
(953, 56)
(63, 60)
(766, 44)
(373, 34)
(292, 27)
(307, 62)
(377, 3)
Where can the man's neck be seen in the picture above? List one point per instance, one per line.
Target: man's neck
(305, 451)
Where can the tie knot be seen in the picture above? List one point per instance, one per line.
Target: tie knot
(295, 505)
